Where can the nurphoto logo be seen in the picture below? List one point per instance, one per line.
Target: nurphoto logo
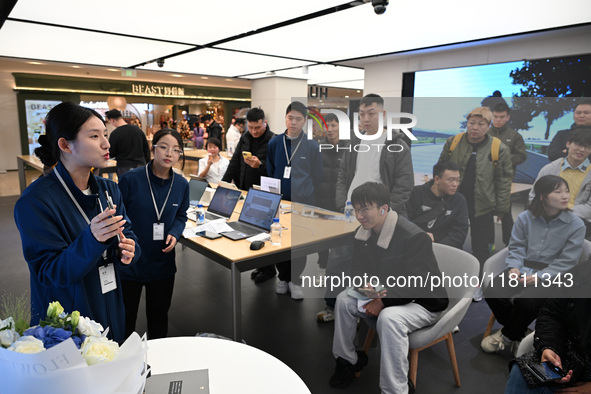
(393, 122)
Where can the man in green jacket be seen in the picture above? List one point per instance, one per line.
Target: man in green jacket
(485, 178)
(514, 141)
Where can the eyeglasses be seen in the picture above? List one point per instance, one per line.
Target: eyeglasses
(166, 149)
(363, 210)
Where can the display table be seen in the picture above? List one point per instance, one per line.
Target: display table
(197, 154)
(24, 161)
(233, 367)
(310, 236)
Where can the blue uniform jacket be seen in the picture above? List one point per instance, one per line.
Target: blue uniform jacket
(63, 255)
(306, 167)
(154, 264)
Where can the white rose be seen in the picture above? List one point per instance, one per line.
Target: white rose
(7, 323)
(89, 327)
(7, 337)
(97, 350)
(27, 344)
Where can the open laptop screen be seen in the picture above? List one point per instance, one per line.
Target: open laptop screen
(260, 207)
(223, 201)
(196, 190)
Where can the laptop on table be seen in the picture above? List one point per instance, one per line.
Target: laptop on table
(258, 211)
(196, 189)
(222, 204)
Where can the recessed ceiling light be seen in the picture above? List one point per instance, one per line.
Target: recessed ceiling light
(359, 91)
(35, 63)
(229, 79)
(176, 75)
(113, 69)
(346, 96)
(75, 66)
(204, 77)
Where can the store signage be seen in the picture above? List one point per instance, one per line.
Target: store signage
(157, 90)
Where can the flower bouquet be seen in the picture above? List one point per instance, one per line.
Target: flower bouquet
(68, 353)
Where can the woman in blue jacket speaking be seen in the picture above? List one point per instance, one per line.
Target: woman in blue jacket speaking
(73, 241)
(156, 199)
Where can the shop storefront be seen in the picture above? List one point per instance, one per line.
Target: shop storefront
(150, 105)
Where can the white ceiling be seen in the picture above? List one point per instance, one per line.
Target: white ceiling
(237, 38)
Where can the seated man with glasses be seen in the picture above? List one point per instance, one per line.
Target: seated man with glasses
(390, 249)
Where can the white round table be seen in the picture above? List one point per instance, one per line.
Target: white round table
(233, 367)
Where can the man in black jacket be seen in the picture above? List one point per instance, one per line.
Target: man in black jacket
(247, 171)
(129, 144)
(582, 118)
(389, 247)
(214, 129)
(438, 209)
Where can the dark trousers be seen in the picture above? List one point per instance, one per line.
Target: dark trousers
(482, 233)
(290, 271)
(515, 314)
(507, 226)
(323, 258)
(158, 300)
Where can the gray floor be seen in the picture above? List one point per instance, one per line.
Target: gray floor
(285, 328)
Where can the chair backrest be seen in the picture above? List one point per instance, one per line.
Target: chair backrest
(457, 267)
(496, 263)
(494, 266)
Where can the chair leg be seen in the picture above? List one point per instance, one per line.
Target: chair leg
(449, 340)
(368, 340)
(489, 326)
(413, 364)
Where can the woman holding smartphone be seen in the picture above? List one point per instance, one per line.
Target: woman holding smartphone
(157, 199)
(546, 241)
(74, 244)
(213, 166)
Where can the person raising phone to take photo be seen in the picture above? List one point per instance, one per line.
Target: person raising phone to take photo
(74, 244)
(157, 199)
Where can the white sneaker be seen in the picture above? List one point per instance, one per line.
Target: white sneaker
(495, 342)
(296, 291)
(477, 297)
(326, 315)
(282, 287)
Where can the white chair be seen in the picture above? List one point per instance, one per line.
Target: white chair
(496, 264)
(526, 345)
(453, 263)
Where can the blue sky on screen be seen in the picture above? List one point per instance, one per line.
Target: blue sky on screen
(444, 97)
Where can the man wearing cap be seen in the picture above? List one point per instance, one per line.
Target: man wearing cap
(129, 144)
(485, 178)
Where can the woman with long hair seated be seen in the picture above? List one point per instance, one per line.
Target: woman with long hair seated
(546, 241)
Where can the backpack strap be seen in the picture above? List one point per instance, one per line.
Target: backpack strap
(494, 150)
(455, 142)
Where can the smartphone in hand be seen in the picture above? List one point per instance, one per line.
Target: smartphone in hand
(545, 371)
(246, 155)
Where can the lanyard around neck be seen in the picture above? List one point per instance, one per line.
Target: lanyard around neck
(289, 159)
(158, 213)
(57, 174)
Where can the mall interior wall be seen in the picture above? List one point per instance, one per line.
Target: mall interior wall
(385, 77)
(273, 95)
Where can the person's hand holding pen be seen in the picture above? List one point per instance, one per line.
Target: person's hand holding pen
(105, 226)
